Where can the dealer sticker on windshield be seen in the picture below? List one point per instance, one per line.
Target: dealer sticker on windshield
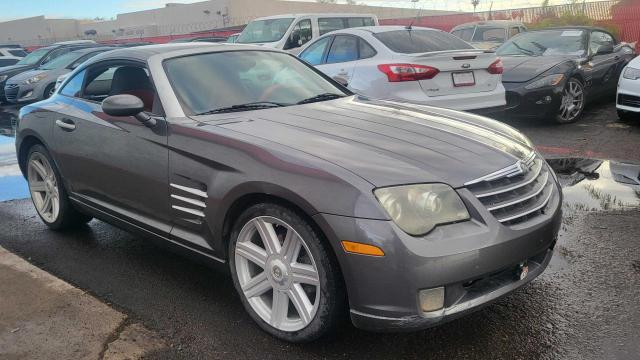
(465, 78)
(571, 33)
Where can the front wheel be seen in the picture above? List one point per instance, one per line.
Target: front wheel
(47, 193)
(573, 101)
(285, 273)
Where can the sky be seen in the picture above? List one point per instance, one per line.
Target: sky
(14, 9)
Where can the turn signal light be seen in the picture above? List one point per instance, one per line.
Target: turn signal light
(408, 72)
(362, 249)
(496, 67)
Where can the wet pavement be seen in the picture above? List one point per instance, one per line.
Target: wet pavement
(585, 306)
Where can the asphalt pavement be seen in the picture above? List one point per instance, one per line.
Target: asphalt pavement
(585, 306)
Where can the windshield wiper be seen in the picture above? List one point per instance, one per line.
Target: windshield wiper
(526, 51)
(321, 97)
(244, 107)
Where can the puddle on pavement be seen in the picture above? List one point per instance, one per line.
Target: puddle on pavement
(12, 183)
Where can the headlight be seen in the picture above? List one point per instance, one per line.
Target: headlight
(35, 79)
(629, 73)
(551, 80)
(3, 78)
(417, 209)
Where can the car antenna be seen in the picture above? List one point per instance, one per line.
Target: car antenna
(410, 26)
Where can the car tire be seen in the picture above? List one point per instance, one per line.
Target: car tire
(48, 91)
(627, 115)
(573, 96)
(324, 303)
(45, 183)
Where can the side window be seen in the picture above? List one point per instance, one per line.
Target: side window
(18, 53)
(72, 87)
(464, 34)
(343, 48)
(598, 39)
(300, 35)
(313, 54)
(126, 79)
(8, 62)
(326, 25)
(514, 31)
(369, 22)
(366, 51)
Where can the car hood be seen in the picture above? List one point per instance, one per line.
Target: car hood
(13, 69)
(388, 143)
(525, 68)
(26, 75)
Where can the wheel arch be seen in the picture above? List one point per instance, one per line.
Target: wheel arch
(25, 144)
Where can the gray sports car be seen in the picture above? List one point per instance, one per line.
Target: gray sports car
(317, 200)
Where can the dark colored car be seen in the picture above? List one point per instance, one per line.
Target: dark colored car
(33, 60)
(317, 200)
(552, 73)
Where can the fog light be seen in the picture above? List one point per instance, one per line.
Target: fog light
(432, 299)
(29, 93)
(545, 100)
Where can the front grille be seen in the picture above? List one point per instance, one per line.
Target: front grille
(518, 193)
(11, 92)
(628, 100)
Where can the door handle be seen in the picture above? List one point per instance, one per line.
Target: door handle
(66, 124)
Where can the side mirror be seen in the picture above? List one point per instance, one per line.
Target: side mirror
(127, 105)
(605, 49)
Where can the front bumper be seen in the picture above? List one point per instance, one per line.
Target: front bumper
(542, 102)
(21, 93)
(628, 96)
(473, 260)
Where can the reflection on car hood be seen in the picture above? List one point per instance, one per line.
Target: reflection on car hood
(525, 68)
(390, 143)
(13, 69)
(486, 45)
(24, 76)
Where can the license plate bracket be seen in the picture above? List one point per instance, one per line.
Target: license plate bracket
(463, 78)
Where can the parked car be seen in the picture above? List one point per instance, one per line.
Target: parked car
(40, 83)
(290, 32)
(628, 96)
(316, 199)
(232, 39)
(552, 73)
(212, 39)
(33, 60)
(488, 34)
(11, 54)
(418, 65)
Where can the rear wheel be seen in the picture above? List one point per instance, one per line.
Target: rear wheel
(285, 274)
(573, 101)
(47, 193)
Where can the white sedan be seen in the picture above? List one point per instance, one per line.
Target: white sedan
(628, 98)
(417, 65)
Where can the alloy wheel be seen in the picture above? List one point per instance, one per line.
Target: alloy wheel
(43, 187)
(572, 101)
(51, 91)
(277, 273)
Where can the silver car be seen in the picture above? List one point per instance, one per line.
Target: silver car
(40, 83)
(488, 34)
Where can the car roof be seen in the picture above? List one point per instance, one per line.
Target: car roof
(281, 16)
(144, 52)
(573, 28)
(93, 49)
(490, 22)
(382, 29)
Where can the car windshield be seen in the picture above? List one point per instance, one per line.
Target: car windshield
(62, 61)
(420, 41)
(34, 57)
(239, 80)
(486, 33)
(263, 31)
(545, 43)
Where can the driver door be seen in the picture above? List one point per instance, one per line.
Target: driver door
(115, 164)
(604, 66)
